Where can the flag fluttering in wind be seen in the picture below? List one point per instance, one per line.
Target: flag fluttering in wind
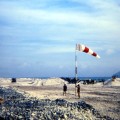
(85, 49)
(82, 48)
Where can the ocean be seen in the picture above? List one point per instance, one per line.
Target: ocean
(94, 78)
(80, 78)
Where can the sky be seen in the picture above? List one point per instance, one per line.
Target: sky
(38, 37)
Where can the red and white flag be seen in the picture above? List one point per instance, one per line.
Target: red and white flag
(85, 49)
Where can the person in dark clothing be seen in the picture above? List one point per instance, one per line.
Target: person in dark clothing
(78, 90)
(64, 89)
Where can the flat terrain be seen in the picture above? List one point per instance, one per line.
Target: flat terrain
(104, 99)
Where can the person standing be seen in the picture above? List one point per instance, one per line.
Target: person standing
(64, 89)
(78, 90)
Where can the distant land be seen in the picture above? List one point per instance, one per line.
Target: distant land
(117, 74)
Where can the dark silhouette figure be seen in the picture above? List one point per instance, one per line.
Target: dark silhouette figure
(64, 89)
(78, 90)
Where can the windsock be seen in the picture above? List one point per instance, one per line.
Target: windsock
(85, 49)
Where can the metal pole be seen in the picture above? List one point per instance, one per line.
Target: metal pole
(75, 67)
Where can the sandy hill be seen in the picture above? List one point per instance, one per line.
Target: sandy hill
(109, 82)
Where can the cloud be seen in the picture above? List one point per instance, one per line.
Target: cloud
(41, 29)
(25, 22)
(109, 51)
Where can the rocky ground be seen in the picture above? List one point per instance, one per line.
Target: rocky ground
(105, 99)
(18, 106)
(26, 99)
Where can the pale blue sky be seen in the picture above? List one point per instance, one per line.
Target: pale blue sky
(38, 37)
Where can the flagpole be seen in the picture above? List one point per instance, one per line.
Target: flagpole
(75, 67)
